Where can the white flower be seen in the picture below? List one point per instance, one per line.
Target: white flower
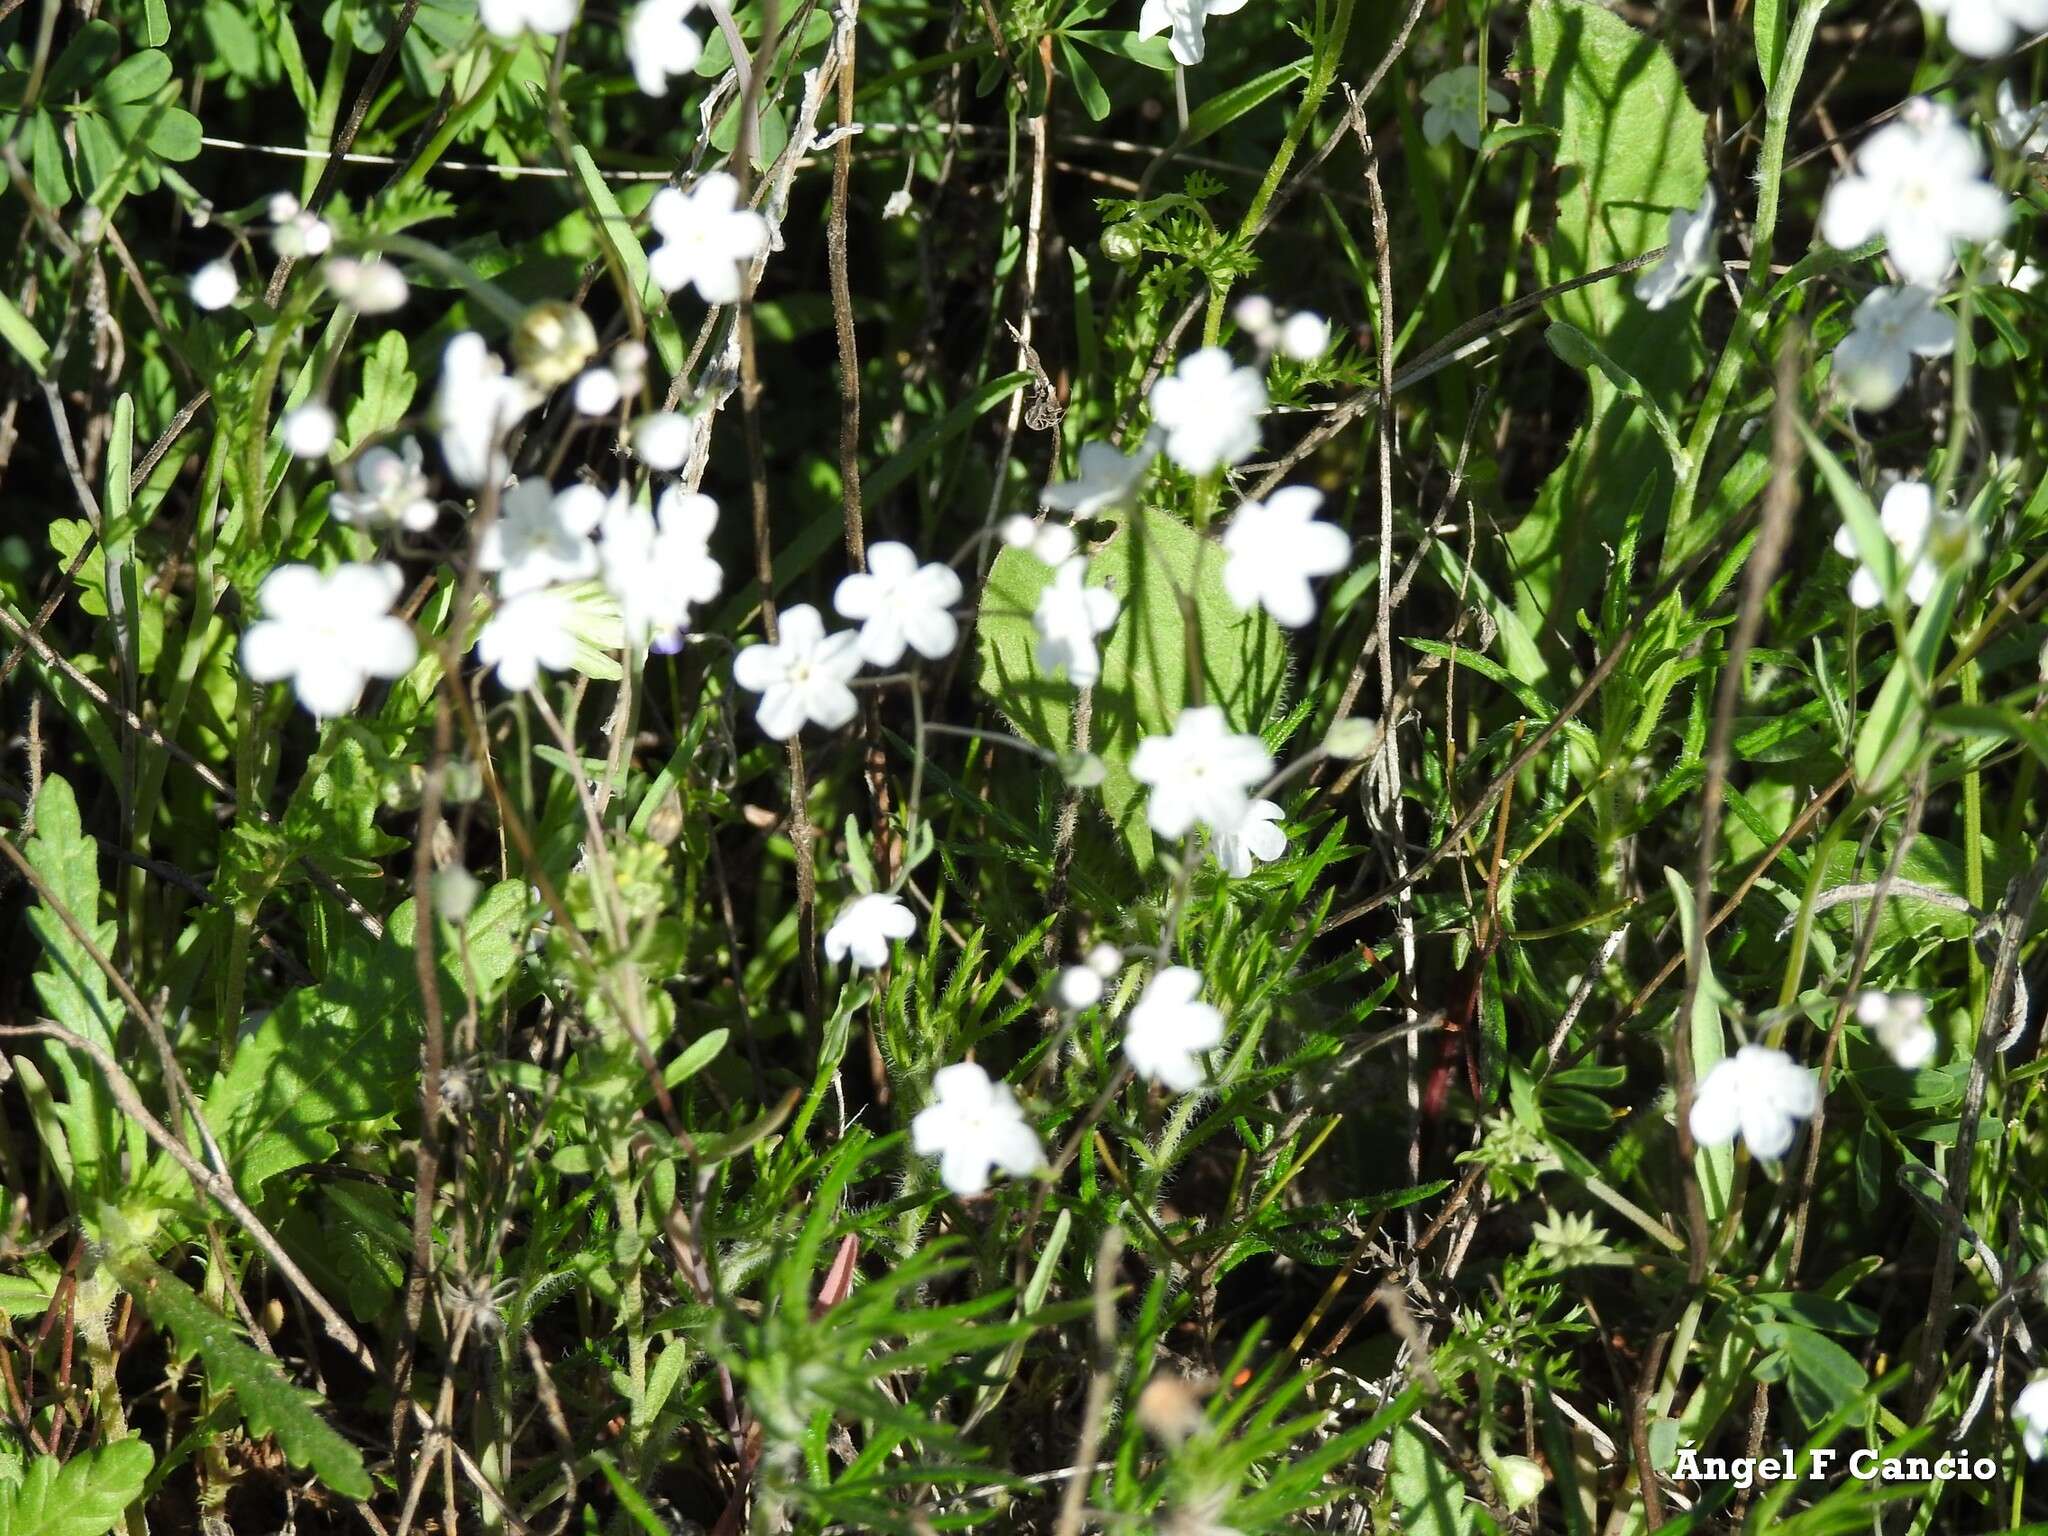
(1106, 479)
(1258, 319)
(1209, 411)
(1105, 960)
(2019, 129)
(658, 563)
(899, 603)
(2030, 1412)
(1890, 328)
(864, 928)
(2003, 262)
(1018, 530)
(597, 392)
(1459, 102)
(660, 44)
(1068, 618)
(303, 234)
(1305, 337)
(509, 18)
(1199, 773)
(1170, 1027)
(1908, 519)
(1688, 254)
(1986, 28)
(542, 537)
(1758, 1092)
(662, 439)
(329, 633)
(1273, 548)
(971, 1125)
(1054, 543)
(707, 238)
(214, 286)
(1919, 182)
(308, 431)
(477, 404)
(1078, 987)
(1899, 1020)
(1184, 19)
(532, 631)
(802, 676)
(1256, 839)
(391, 489)
(373, 287)
(282, 207)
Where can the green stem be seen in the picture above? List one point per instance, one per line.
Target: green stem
(413, 175)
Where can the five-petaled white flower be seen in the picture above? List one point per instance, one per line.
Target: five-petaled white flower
(532, 631)
(1183, 20)
(509, 18)
(1068, 617)
(477, 404)
(972, 1125)
(659, 43)
(1919, 182)
(1105, 479)
(1688, 254)
(1209, 410)
(329, 633)
(542, 536)
(2030, 1412)
(391, 490)
(1169, 1028)
(1986, 28)
(1758, 1092)
(308, 430)
(1890, 328)
(659, 563)
(214, 286)
(1273, 548)
(1459, 101)
(1258, 838)
(707, 238)
(864, 929)
(1899, 1020)
(899, 603)
(1908, 520)
(802, 675)
(369, 287)
(1199, 773)
(2018, 129)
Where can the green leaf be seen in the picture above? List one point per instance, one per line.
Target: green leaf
(1990, 721)
(1219, 112)
(388, 387)
(622, 246)
(1584, 354)
(53, 184)
(1768, 26)
(174, 134)
(267, 1402)
(1152, 52)
(1087, 85)
(136, 78)
(1429, 1494)
(1714, 1166)
(156, 23)
(85, 1496)
(19, 332)
(1890, 735)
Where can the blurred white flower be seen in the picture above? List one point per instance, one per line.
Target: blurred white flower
(1305, 337)
(1908, 519)
(372, 287)
(214, 286)
(303, 234)
(1759, 1093)
(282, 208)
(597, 392)
(971, 1125)
(1184, 20)
(1890, 328)
(659, 43)
(1459, 101)
(899, 603)
(476, 405)
(1258, 319)
(1258, 838)
(1105, 960)
(1274, 546)
(1105, 479)
(1209, 410)
(1688, 254)
(1169, 1028)
(801, 677)
(1986, 28)
(1054, 543)
(707, 238)
(1919, 182)
(542, 537)
(2003, 262)
(659, 563)
(1017, 530)
(2018, 129)
(532, 631)
(1078, 987)
(865, 928)
(329, 633)
(1199, 773)
(1068, 618)
(391, 490)
(308, 431)
(509, 18)
(1899, 1020)
(2030, 1412)
(662, 440)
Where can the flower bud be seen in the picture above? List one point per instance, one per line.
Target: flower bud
(1120, 243)
(1352, 737)
(553, 341)
(1519, 1480)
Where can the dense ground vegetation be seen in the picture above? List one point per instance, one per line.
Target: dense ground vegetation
(1037, 765)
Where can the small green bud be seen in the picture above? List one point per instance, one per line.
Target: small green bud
(1120, 243)
(1352, 737)
(1519, 1480)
